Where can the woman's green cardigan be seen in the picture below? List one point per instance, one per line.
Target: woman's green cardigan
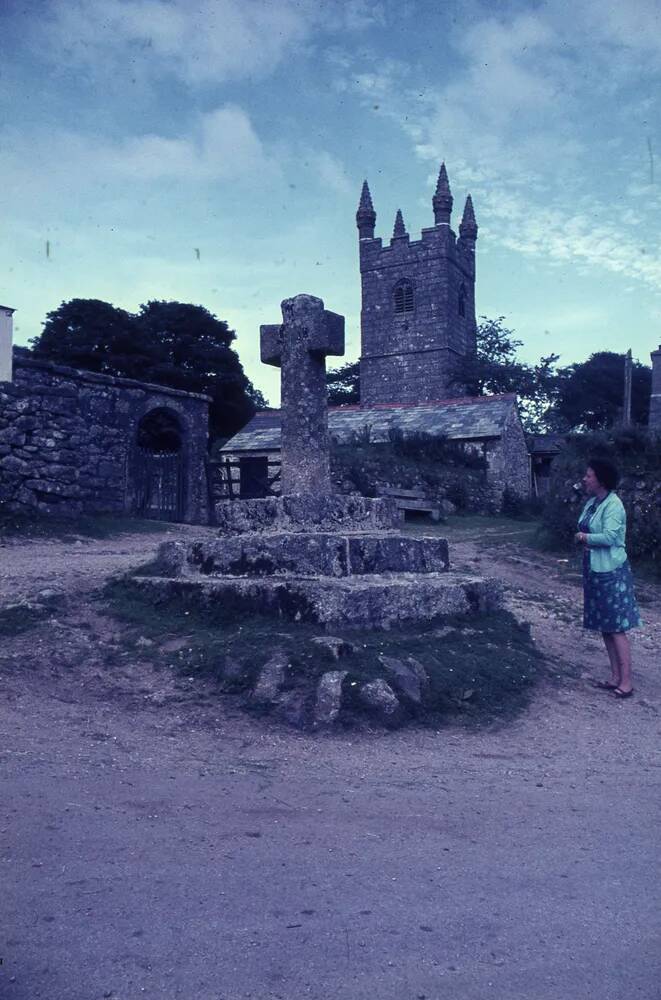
(605, 540)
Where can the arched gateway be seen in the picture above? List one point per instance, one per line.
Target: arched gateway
(160, 466)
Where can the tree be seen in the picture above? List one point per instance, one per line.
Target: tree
(495, 369)
(168, 343)
(590, 394)
(344, 384)
(83, 333)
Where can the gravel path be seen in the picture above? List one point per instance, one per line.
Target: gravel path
(76, 566)
(158, 843)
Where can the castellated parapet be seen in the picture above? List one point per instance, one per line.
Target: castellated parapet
(418, 303)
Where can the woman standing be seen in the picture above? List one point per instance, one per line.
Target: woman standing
(609, 604)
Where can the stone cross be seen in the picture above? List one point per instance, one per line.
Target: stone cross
(299, 348)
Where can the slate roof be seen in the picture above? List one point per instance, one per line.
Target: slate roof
(545, 444)
(470, 418)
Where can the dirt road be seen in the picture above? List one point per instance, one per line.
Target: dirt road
(158, 843)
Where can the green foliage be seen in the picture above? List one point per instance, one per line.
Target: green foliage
(590, 394)
(637, 454)
(93, 335)
(437, 465)
(175, 344)
(495, 369)
(421, 446)
(344, 384)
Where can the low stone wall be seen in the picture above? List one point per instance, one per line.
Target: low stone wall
(68, 441)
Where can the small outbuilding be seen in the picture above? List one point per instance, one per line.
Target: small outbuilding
(544, 448)
(250, 461)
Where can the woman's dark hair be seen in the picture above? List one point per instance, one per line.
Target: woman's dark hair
(605, 472)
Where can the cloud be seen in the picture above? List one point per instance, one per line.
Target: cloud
(209, 41)
(222, 146)
(330, 173)
(559, 236)
(635, 25)
(522, 123)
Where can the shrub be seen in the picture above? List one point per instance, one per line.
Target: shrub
(512, 505)
(435, 448)
(637, 454)
(458, 494)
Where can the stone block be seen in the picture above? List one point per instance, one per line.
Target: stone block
(270, 340)
(321, 554)
(381, 701)
(171, 558)
(306, 512)
(408, 677)
(16, 465)
(54, 489)
(12, 435)
(270, 679)
(370, 601)
(328, 701)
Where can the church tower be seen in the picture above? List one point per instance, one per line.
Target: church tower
(418, 303)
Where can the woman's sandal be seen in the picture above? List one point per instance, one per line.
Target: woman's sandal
(606, 686)
(619, 693)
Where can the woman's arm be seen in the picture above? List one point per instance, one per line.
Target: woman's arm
(613, 527)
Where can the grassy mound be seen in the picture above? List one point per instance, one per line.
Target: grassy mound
(482, 670)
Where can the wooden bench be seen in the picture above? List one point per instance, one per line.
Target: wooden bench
(413, 501)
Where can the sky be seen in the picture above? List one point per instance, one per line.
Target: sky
(213, 151)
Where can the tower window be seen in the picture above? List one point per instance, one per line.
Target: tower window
(403, 297)
(461, 303)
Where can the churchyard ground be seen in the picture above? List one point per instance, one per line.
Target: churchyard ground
(159, 841)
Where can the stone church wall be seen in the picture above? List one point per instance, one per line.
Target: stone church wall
(418, 303)
(509, 460)
(409, 357)
(68, 440)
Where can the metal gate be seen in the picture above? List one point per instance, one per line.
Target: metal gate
(160, 486)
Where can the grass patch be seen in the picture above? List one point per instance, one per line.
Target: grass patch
(41, 526)
(25, 615)
(483, 670)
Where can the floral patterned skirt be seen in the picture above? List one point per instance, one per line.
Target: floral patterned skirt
(609, 602)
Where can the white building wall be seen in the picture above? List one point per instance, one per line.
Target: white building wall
(6, 340)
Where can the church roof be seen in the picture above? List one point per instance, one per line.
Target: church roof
(468, 418)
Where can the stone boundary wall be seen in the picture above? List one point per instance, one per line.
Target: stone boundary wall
(68, 440)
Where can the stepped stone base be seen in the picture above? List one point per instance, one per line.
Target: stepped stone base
(374, 602)
(333, 560)
(306, 513)
(298, 554)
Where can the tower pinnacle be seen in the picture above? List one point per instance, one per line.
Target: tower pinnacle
(365, 216)
(400, 228)
(442, 200)
(468, 226)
